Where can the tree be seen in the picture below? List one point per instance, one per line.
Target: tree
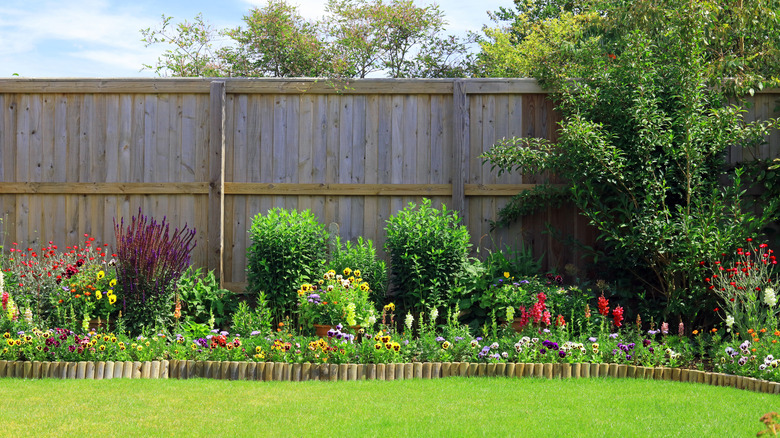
(642, 143)
(277, 42)
(191, 51)
(357, 38)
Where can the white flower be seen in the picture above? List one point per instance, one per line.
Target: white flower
(371, 319)
(408, 321)
(729, 321)
(770, 298)
(434, 315)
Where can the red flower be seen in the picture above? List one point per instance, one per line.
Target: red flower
(617, 316)
(603, 306)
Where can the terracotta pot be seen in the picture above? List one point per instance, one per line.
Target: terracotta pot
(322, 330)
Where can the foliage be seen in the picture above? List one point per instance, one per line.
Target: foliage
(247, 321)
(428, 248)
(202, 299)
(288, 248)
(277, 41)
(190, 49)
(337, 299)
(150, 261)
(361, 256)
(739, 41)
(356, 38)
(483, 288)
(648, 176)
(743, 285)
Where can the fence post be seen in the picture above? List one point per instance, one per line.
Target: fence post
(216, 212)
(460, 149)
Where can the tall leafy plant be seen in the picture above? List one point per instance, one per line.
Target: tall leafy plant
(288, 248)
(150, 261)
(643, 141)
(428, 248)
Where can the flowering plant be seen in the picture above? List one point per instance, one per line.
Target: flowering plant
(744, 288)
(40, 273)
(336, 299)
(506, 291)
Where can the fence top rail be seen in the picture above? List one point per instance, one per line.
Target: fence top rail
(268, 85)
(276, 86)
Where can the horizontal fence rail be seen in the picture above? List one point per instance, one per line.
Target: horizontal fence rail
(75, 155)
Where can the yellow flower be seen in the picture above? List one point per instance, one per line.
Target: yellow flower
(357, 273)
(100, 275)
(445, 345)
(506, 274)
(111, 299)
(112, 283)
(364, 287)
(98, 295)
(347, 271)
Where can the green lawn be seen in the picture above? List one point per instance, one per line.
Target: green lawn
(429, 408)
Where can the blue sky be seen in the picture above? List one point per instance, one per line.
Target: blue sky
(100, 38)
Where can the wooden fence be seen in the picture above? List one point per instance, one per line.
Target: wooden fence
(77, 154)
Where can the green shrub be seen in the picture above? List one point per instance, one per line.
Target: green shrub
(202, 299)
(287, 249)
(428, 248)
(361, 256)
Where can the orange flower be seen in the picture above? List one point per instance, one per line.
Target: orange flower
(78, 296)
(777, 332)
(714, 330)
(763, 330)
(695, 332)
(753, 350)
(750, 331)
(774, 341)
(281, 324)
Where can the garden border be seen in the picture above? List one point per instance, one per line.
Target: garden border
(301, 372)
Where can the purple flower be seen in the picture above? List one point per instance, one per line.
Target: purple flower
(254, 333)
(546, 331)
(339, 327)
(479, 338)
(742, 360)
(406, 342)
(592, 339)
(628, 357)
(562, 354)
(215, 331)
(439, 339)
(331, 333)
(458, 338)
(613, 336)
(505, 355)
(542, 351)
(651, 349)
(647, 342)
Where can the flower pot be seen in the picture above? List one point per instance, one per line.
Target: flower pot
(321, 330)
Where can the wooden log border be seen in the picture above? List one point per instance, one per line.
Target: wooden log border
(301, 372)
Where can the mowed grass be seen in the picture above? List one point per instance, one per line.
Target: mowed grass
(424, 408)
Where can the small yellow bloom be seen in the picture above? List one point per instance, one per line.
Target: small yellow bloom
(100, 275)
(347, 271)
(506, 274)
(111, 299)
(112, 283)
(98, 295)
(357, 273)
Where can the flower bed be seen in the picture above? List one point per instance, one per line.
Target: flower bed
(301, 372)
